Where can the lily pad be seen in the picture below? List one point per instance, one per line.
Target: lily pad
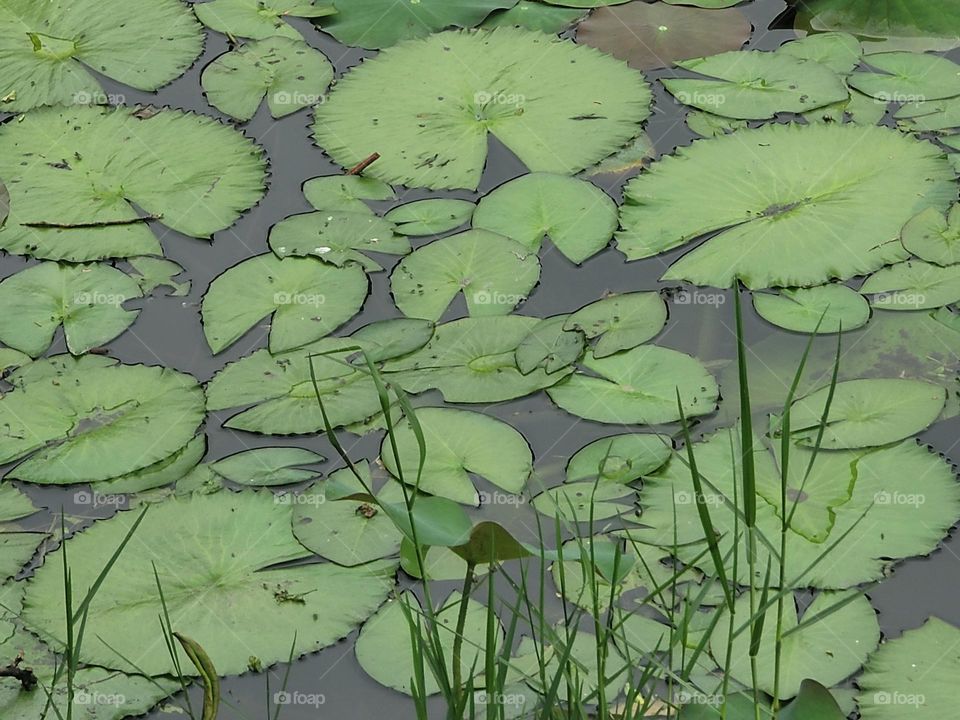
(86, 299)
(934, 238)
(577, 216)
(268, 466)
(812, 652)
(868, 413)
(907, 20)
(14, 505)
(620, 458)
(291, 74)
(337, 237)
(913, 285)
(345, 192)
(765, 237)
(474, 360)
(558, 107)
(306, 298)
(632, 156)
(709, 125)
(259, 19)
(535, 15)
(549, 346)
(638, 387)
(907, 77)
(16, 550)
(165, 472)
(755, 85)
(50, 48)
(823, 309)
(88, 419)
(252, 610)
(655, 35)
(375, 24)
(839, 51)
(75, 173)
(494, 273)
(154, 272)
(583, 502)
(621, 322)
(460, 442)
(431, 217)
(930, 116)
(911, 676)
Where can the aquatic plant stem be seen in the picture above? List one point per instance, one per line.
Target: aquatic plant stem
(468, 579)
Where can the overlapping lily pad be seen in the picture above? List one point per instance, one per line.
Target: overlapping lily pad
(823, 309)
(933, 24)
(268, 466)
(620, 321)
(75, 174)
(839, 51)
(934, 238)
(345, 192)
(913, 285)
(550, 346)
(259, 19)
(544, 107)
(535, 15)
(785, 224)
(620, 458)
(431, 217)
(337, 237)
(908, 77)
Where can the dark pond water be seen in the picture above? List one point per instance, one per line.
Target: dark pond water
(168, 333)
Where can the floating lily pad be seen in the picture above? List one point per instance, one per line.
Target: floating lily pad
(811, 652)
(16, 549)
(632, 156)
(394, 338)
(337, 237)
(823, 309)
(839, 51)
(711, 4)
(384, 648)
(86, 299)
(154, 272)
(431, 217)
(710, 125)
(934, 238)
(291, 74)
(474, 360)
(49, 48)
(74, 175)
(534, 15)
(91, 419)
(582, 653)
(14, 505)
(638, 386)
(268, 466)
(858, 109)
(930, 116)
(765, 236)
(494, 273)
(259, 19)
(912, 676)
(549, 346)
(620, 458)
(908, 77)
(927, 21)
(868, 413)
(577, 216)
(306, 298)
(459, 443)
(345, 192)
(913, 285)
(583, 502)
(165, 472)
(544, 107)
(251, 610)
(655, 35)
(621, 321)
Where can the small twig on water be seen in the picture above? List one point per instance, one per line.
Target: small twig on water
(28, 681)
(363, 164)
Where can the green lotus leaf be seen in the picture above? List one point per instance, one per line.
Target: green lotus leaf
(585, 3)
(441, 563)
(867, 413)
(709, 125)
(534, 15)
(348, 532)
(75, 174)
(494, 273)
(904, 501)
(549, 346)
(859, 109)
(154, 272)
(930, 116)
(755, 85)
(460, 442)
(907, 77)
(49, 49)
(306, 298)
(655, 35)
(337, 237)
(433, 216)
(345, 192)
(375, 24)
(268, 466)
(88, 419)
(249, 608)
(811, 652)
(934, 238)
(904, 20)
(839, 51)
(710, 4)
(394, 338)
(823, 309)
(86, 299)
(620, 458)
(165, 472)
(474, 360)
(543, 107)
(621, 322)
(913, 285)
(14, 505)
(632, 156)
(16, 550)
(291, 74)
(583, 654)
(577, 216)
(384, 648)
(638, 386)
(816, 701)
(765, 236)
(259, 19)
(584, 502)
(912, 676)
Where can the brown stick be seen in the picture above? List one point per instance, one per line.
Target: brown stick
(28, 681)
(363, 164)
